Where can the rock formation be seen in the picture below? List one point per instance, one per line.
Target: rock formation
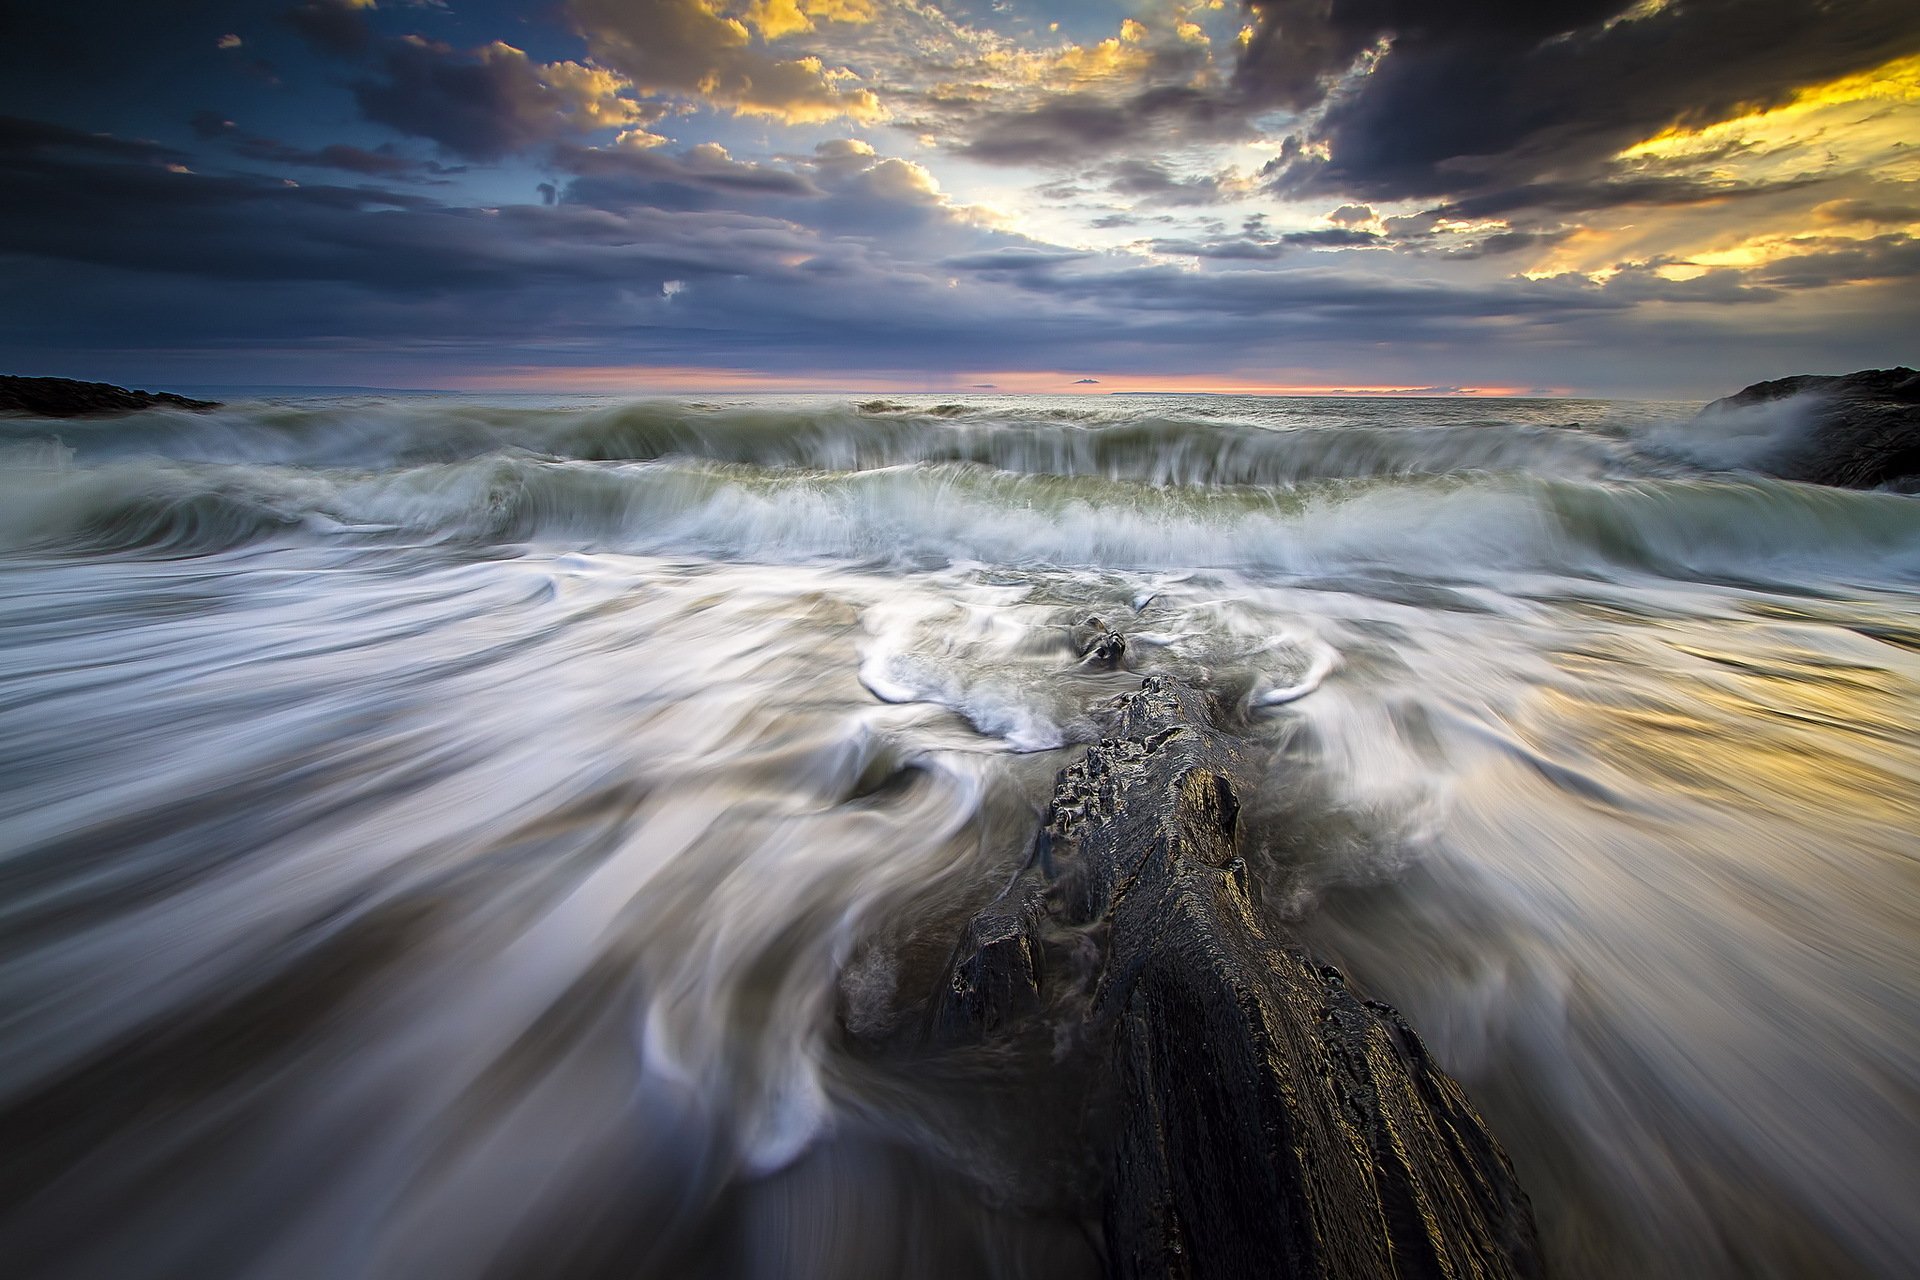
(1264, 1119)
(1862, 432)
(65, 398)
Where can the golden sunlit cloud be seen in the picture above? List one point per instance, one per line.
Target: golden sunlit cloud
(594, 96)
(774, 19)
(1851, 135)
(705, 49)
(1827, 114)
(639, 139)
(1070, 66)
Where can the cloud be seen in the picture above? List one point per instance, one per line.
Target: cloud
(1818, 262)
(334, 28)
(1869, 211)
(1253, 247)
(1150, 86)
(20, 137)
(378, 162)
(1149, 182)
(494, 100)
(843, 188)
(1014, 261)
(697, 49)
(704, 176)
(1070, 128)
(1425, 98)
(838, 252)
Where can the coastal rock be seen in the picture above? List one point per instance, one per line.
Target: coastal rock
(1097, 644)
(1266, 1120)
(1862, 430)
(66, 398)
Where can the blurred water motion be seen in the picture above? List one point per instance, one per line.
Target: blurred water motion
(456, 840)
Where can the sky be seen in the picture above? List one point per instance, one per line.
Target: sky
(1609, 197)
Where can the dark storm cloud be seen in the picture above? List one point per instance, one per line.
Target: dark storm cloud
(253, 261)
(238, 227)
(1479, 95)
(1588, 196)
(1069, 128)
(378, 162)
(488, 103)
(23, 138)
(332, 27)
(478, 106)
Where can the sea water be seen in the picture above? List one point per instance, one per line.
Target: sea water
(460, 837)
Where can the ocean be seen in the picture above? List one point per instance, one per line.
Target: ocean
(474, 837)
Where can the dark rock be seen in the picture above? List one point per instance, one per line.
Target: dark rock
(1266, 1120)
(1862, 430)
(1097, 644)
(996, 970)
(65, 398)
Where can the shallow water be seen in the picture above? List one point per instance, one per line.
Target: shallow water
(469, 839)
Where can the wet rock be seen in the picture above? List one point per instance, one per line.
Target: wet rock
(66, 398)
(1266, 1119)
(1862, 432)
(1097, 644)
(996, 972)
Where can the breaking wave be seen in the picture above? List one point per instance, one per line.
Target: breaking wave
(941, 513)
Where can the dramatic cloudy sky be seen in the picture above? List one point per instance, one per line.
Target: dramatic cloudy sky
(1614, 196)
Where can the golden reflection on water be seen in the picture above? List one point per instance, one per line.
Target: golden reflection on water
(1761, 723)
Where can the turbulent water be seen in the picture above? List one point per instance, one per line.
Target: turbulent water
(458, 839)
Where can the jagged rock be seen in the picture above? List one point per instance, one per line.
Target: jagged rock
(1863, 429)
(1268, 1121)
(66, 398)
(1097, 644)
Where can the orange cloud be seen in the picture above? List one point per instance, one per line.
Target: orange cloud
(698, 48)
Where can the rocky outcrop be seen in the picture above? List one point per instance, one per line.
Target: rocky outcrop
(1264, 1119)
(1862, 429)
(65, 398)
(1098, 645)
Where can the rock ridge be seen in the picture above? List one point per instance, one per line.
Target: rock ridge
(67, 398)
(1267, 1120)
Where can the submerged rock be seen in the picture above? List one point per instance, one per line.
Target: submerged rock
(66, 398)
(1862, 430)
(1265, 1119)
(1097, 644)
